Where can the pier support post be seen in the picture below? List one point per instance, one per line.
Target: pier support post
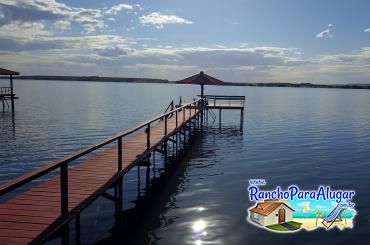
(177, 142)
(120, 199)
(241, 119)
(65, 234)
(119, 154)
(203, 118)
(153, 168)
(78, 229)
(177, 133)
(219, 118)
(184, 135)
(199, 120)
(206, 116)
(165, 135)
(196, 122)
(12, 93)
(166, 149)
(147, 177)
(138, 182)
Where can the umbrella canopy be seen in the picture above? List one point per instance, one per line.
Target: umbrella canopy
(201, 79)
(8, 72)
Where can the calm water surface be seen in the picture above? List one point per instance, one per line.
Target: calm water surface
(307, 137)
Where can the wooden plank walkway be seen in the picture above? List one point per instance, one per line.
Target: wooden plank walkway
(37, 212)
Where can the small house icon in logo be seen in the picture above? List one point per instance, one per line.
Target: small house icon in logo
(271, 212)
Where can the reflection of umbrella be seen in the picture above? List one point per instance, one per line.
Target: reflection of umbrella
(201, 79)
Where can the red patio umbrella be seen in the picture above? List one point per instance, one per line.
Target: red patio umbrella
(201, 79)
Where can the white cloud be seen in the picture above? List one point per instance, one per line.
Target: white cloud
(131, 28)
(58, 14)
(33, 36)
(37, 10)
(243, 45)
(30, 29)
(23, 31)
(113, 51)
(118, 8)
(367, 30)
(159, 20)
(326, 33)
(139, 7)
(258, 64)
(62, 25)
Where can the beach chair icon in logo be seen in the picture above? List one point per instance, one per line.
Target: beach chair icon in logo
(334, 216)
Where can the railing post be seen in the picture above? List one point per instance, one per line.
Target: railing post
(64, 189)
(202, 106)
(183, 114)
(119, 153)
(148, 137)
(165, 126)
(176, 120)
(241, 119)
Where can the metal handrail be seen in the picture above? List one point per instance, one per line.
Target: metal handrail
(169, 107)
(5, 91)
(212, 99)
(62, 163)
(224, 97)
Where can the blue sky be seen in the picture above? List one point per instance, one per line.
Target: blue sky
(308, 208)
(239, 41)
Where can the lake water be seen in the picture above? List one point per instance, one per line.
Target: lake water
(307, 137)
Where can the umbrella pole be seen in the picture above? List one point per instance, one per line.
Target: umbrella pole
(201, 91)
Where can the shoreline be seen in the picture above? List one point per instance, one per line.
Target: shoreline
(310, 223)
(165, 81)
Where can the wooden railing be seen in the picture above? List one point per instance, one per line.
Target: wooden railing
(229, 100)
(63, 163)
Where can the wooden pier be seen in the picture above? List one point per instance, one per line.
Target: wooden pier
(39, 211)
(7, 93)
(224, 102)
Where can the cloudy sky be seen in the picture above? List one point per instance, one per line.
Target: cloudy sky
(236, 40)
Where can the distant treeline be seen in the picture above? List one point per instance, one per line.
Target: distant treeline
(150, 80)
(304, 85)
(93, 78)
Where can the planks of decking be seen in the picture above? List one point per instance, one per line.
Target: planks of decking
(26, 216)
